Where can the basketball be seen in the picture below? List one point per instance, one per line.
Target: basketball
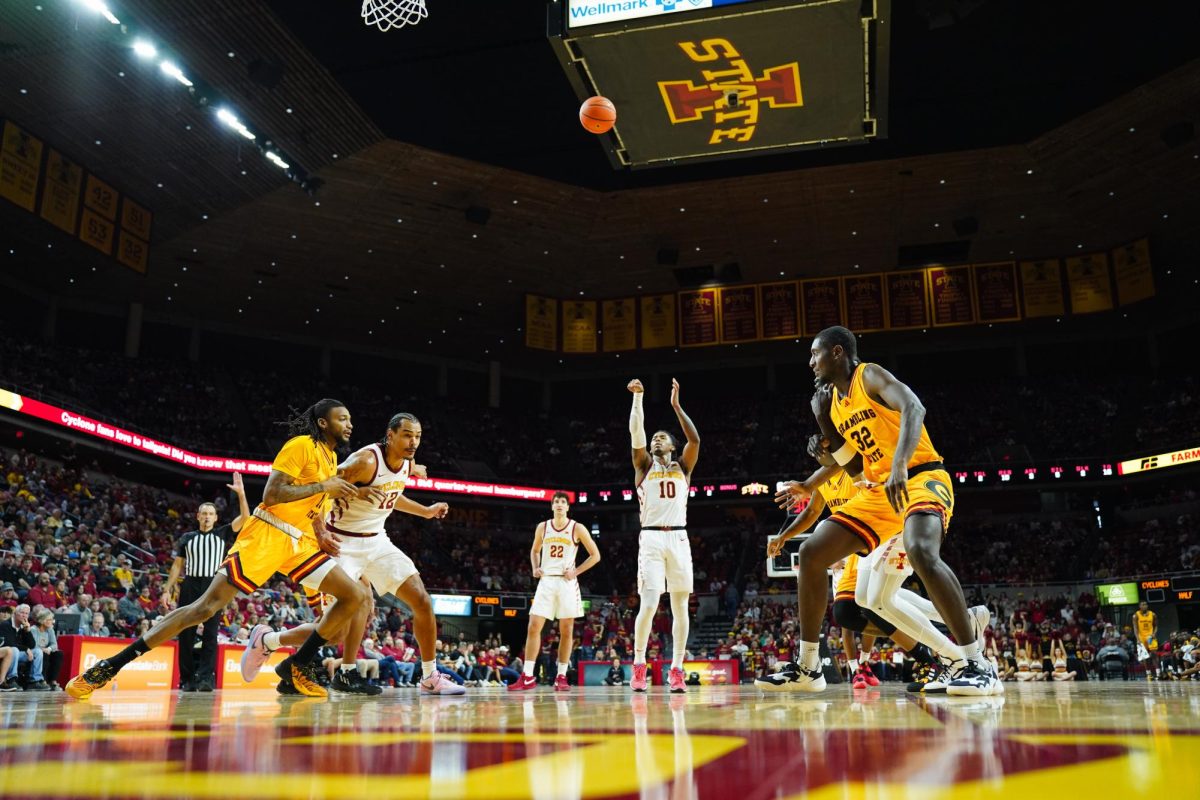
(597, 114)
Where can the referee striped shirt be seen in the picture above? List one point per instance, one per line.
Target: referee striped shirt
(202, 553)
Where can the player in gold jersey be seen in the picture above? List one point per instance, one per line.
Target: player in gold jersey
(284, 534)
(875, 426)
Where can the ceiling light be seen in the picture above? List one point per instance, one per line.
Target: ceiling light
(100, 8)
(144, 49)
(169, 68)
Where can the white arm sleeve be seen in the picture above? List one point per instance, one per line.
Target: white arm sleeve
(637, 427)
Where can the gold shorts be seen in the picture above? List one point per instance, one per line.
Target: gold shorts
(870, 517)
(261, 550)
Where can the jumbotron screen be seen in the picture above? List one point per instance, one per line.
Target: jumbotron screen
(728, 80)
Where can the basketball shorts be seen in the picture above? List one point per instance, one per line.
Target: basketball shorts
(377, 559)
(870, 517)
(261, 550)
(844, 590)
(664, 561)
(557, 598)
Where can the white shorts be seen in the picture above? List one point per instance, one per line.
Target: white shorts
(557, 598)
(664, 561)
(384, 565)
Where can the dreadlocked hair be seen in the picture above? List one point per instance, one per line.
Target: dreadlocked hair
(304, 423)
(395, 422)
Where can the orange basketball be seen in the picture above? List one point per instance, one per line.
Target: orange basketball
(597, 114)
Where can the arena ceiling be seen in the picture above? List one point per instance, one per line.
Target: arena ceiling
(1057, 144)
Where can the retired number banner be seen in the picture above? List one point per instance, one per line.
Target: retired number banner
(658, 321)
(699, 317)
(20, 165)
(60, 197)
(1135, 278)
(579, 326)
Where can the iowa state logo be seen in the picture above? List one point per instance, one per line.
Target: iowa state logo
(731, 95)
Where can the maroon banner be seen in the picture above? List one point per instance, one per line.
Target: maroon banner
(950, 293)
(907, 304)
(739, 314)
(699, 318)
(780, 304)
(996, 292)
(864, 302)
(821, 301)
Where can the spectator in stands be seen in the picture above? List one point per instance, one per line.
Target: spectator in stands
(8, 596)
(81, 606)
(129, 608)
(43, 593)
(616, 675)
(1113, 660)
(46, 640)
(96, 626)
(19, 633)
(387, 670)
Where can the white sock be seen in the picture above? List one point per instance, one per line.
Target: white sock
(428, 668)
(529, 667)
(642, 625)
(809, 656)
(852, 663)
(562, 669)
(680, 625)
(347, 667)
(973, 652)
(271, 641)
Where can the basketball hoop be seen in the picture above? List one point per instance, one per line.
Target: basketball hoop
(388, 14)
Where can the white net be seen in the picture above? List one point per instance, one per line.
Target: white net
(388, 14)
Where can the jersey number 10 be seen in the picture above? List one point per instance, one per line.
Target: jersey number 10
(666, 489)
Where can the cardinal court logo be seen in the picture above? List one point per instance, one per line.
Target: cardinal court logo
(730, 95)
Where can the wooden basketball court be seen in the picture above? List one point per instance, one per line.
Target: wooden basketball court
(1122, 739)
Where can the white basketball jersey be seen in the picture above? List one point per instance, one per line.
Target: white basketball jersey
(558, 548)
(367, 517)
(663, 496)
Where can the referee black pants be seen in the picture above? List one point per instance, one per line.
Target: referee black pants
(193, 666)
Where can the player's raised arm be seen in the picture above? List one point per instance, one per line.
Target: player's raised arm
(691, 449)
(637, 431)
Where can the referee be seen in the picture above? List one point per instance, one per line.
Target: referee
(198, 556)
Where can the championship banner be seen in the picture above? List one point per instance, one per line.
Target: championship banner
(619, 324)
(699, 318)
(1135, 278)
(1041, 288)
(907, 300)
(739, 314)
(229, 668)
(658, 321)
(864, 302)
(541, 322)
(821, 301)
(136, 219)
(1176, 459)
(996, 292)
(950, 296)
(780, 305)
(579, 326)
(20, 165)
(1090, 288)
(779, 78)
(60, 196)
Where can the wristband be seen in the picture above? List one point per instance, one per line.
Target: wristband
(845, 454)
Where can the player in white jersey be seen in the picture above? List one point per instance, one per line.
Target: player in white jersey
(364, 551)
(555, 544)
(664, 552)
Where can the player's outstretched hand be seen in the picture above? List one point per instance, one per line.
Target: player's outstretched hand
(674, 393)
(375, 495)
(339, 487)
(237, 486)
(791, 493)
(635, 386)
(775, 547)
(439, 511)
